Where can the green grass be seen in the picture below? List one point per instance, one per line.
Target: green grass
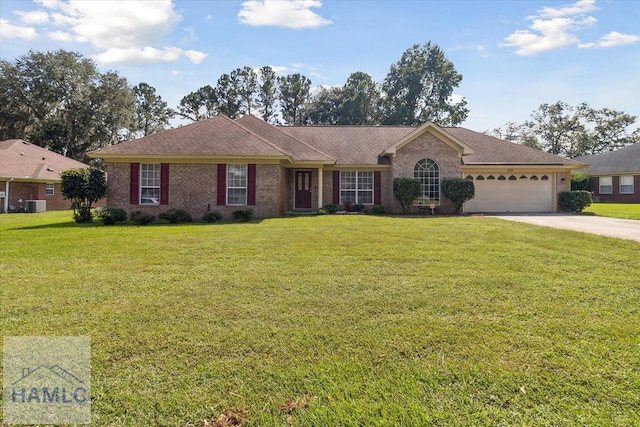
(336, 320)
(615, 210)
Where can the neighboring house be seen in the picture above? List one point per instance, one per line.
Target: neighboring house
(29, 172)
(223, 164)
(615, 176)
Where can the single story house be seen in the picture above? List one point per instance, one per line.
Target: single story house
(615, 176)
(223, 164)
(30, 172)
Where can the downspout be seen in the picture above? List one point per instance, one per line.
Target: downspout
(320, 185)
(6, 195)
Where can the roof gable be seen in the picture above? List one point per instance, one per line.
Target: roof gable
(451, 140)
(22, 160)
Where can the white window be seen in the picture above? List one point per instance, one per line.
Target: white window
(356, 187)
(149, 184)
(606, 185)
(626, 184)
(428, 172)
(50, 189)
(237, 185)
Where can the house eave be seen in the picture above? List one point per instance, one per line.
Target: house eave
(168, 158)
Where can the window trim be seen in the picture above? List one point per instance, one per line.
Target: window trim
(357, 190)
(144, 172)
(229, 168)
(49, 186)
(610, 185)
(432, 169)
(631, 186)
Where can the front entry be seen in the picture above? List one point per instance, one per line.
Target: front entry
(303, 190)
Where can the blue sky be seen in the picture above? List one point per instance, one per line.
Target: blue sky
(514, 55)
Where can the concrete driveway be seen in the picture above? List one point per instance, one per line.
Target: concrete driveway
(612, 227)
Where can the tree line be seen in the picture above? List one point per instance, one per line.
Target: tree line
(59, 100)
(572, 131)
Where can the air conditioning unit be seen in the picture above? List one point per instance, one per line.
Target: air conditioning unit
(36, 206)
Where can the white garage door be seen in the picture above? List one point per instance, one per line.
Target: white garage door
(511, 193)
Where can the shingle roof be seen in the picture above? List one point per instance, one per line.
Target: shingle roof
(491, 150)
(299, 150)
(350, 145)
(22, 160)
(626, 159)
(217, 136)
(344, 145)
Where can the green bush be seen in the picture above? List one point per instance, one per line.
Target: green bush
(83, 187)
(141, 218)
(406, 190)
(323, 211)
(458, 190)
(331, 208)
(212, 216)
(242, 215)
(580, 181)
(175, 216)
(574, 201)
(110, 215)
(377, 210)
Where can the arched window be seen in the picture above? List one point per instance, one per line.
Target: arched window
(428, 172)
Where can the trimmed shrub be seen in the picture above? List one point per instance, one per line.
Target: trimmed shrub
(574, 201)
(175, 216)
(330, 208)
(141, 218)
(212, 216)
(110, 215)
(323, 211)
(580, 181)
(242, 215)
(458, 190)
(377, 210)
(406, 190)
(349, 207)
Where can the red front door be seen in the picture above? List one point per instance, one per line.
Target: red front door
(303, 190)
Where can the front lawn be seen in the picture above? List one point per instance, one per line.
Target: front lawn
(615, 210)
(336, 320)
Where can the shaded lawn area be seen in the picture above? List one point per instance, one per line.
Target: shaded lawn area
(336, 320)
(615, 210)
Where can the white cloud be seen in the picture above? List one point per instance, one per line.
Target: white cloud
(195, 56)
(10, 31)
(123, 31)
(552, 28)
(612, 39)
(296, 14)
(36, 17)
(578, 8)
(146, 55)
(279, 69)
(60, 35)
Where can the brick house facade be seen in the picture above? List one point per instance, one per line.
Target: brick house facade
(223, 165)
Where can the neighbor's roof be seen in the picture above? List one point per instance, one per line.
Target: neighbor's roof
(217, 136)
(626, 159)
(344, 145)
(22, 160)
(491, 150)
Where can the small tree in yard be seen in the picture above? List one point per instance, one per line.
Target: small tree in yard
(406, 190)
(458, 190)
(84, 187)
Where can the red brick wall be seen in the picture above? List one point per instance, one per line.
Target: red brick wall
(33, 191)
(193, 187)
(615, 196)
